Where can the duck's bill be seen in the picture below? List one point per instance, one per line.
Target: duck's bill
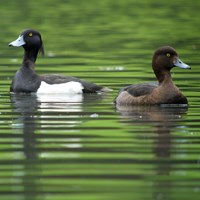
(181, 64)
(18, 42)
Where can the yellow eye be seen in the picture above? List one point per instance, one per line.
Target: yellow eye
(168, 55)
(30, 34)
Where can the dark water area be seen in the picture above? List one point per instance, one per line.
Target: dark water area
(57, 147)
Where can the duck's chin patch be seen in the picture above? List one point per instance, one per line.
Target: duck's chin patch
(71, 87)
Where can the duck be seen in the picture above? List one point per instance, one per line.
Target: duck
(26, 80)
(164, 91)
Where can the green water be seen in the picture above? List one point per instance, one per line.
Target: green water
(54, 149)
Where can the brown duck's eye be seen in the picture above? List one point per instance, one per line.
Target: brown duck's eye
(30, 34)
(168, 55)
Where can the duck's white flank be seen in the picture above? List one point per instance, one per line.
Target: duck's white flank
(71, 87)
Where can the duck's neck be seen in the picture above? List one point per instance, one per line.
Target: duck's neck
(29, 59)
(164, 77)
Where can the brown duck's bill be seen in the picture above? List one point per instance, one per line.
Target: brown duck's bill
(181, 64)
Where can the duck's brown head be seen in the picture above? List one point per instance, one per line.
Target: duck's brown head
(164, 59)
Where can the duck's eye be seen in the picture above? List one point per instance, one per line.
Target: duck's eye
(168, 55)
(30, 34)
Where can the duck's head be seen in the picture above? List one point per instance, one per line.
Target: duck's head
(164, 59)
(30, 40)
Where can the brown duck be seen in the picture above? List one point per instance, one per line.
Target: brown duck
(163, 92)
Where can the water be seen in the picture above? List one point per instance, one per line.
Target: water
(82, 147)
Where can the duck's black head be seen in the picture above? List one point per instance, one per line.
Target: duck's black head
(31, 40)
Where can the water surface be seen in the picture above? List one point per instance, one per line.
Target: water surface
(82, 147)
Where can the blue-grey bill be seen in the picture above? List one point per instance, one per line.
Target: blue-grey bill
(18, 42)
(181, 64)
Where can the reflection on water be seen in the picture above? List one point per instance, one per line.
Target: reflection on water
(25, 108)
(163, 119)
(39, 106)
(28, 110)
(87, 161)
(168, 113)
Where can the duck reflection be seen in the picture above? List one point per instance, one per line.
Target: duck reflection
(24, 107)
(44, 113)
(31, 107)
(163, 119)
